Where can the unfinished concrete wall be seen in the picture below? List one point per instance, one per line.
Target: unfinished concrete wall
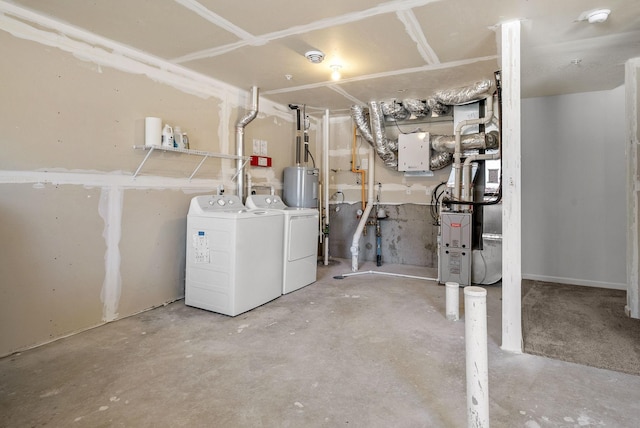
(83, 241)
(409, 235)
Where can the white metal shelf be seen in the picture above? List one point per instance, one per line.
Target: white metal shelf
(202, 153)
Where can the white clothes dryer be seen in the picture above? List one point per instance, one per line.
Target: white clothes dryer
(234, 255)
(300, 257)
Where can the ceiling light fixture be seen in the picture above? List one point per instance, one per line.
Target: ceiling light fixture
(315, 57)
(335, 74)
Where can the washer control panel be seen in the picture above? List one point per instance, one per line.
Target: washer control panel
(219, 203)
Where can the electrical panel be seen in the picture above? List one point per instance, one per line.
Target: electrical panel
(414, 152)
(455, 247)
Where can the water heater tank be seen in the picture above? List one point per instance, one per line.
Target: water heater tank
(300, 187)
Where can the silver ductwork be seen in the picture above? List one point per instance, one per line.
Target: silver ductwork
(360, 115)
(394, 110)
(437, 107)
(440, 104)
(244, 121)
(444, 145)
(382, 143)
(466, 94)
(440, 160)
(447, 143)
(417, 108)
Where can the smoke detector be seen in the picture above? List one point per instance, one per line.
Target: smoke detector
(315, 57)
(596, 16)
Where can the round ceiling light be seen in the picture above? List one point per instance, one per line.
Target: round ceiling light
(315, 57)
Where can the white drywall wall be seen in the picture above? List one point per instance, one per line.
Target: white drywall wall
(573, 189)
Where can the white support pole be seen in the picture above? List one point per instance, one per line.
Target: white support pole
(325, 182)
(632, 86)
(477, 368)
(511, 189)
(453, 301)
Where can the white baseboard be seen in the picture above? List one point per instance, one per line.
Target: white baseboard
(575, 281)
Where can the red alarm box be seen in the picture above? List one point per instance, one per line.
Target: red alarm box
(260, 161)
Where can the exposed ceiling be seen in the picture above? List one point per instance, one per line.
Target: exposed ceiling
(395, 49)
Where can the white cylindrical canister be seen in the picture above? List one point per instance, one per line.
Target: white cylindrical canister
(152, 131)
(453, 301)
(477, 366)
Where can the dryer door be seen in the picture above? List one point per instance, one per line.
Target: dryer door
(303, 237)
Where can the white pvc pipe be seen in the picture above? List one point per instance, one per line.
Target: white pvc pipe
(466, 170)
(377, 272)
(355, 242)
(453, 301)
(325, 181)
(475, 339)
(457, 154)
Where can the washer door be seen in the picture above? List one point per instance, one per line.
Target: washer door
(303, 237)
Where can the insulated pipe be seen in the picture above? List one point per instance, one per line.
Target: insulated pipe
(325, 181)
(384, 146)
(240, 140)
(457, 154)
(359, 115)
(363, 220)
(475, 339)
(481, 140)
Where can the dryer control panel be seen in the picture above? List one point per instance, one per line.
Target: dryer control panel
(265, 202)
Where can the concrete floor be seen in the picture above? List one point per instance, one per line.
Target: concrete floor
(365, 351)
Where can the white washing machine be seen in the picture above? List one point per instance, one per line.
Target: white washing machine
(300, 258)
(234, 255)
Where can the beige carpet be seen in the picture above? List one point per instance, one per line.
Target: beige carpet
(583, 325)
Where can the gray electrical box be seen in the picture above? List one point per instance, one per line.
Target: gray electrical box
(455, 247)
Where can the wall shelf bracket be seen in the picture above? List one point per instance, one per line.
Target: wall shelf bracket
(204, 155)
